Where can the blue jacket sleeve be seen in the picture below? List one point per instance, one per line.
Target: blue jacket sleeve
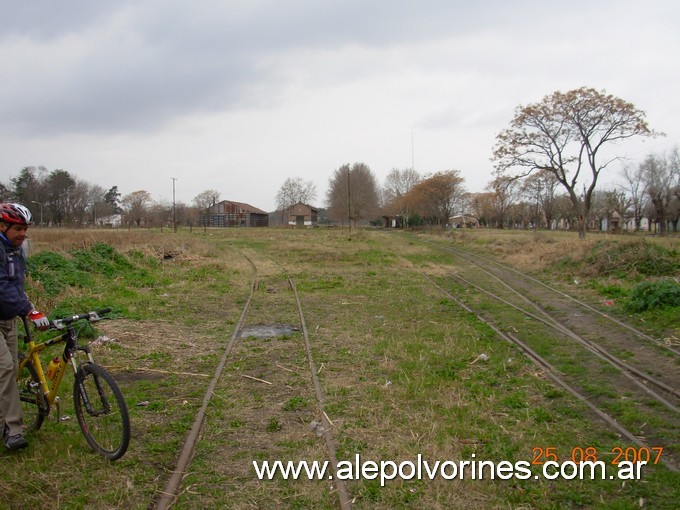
(13, 299)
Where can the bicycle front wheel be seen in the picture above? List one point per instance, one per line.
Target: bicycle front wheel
(101, 411)
(34, 407)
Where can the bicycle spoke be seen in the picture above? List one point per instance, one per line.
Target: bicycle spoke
(101, 411)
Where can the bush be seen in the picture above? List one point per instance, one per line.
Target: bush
(633, 258)
(652, 295)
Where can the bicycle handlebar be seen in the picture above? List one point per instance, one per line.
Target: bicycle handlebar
(93, 316)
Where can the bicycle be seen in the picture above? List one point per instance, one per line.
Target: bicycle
(97, 400)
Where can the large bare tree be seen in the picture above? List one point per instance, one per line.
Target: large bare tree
(353, 194)
(136, 205)
(567, 134)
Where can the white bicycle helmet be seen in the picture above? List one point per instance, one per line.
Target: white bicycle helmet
(15, 213)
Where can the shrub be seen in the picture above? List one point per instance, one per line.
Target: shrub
(652, 295)
(633, 258)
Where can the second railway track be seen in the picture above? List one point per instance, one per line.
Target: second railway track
(266, 382)
(610, 365)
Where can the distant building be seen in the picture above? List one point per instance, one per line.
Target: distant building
(113, 221)
(303, 215)
(233, 214)
(463, 221)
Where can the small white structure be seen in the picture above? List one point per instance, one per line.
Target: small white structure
(114, 221)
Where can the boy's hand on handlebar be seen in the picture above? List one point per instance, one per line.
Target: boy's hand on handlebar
(39, 320)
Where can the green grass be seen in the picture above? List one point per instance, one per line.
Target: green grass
(396, 360)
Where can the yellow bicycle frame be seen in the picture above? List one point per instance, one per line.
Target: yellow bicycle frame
(33, 355)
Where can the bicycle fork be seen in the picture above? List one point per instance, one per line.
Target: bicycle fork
(80, 378)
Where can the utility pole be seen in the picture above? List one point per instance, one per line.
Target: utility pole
(174, 209)
(349, 203)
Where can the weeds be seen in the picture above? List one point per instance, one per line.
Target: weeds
(632, 259)
(652, 295)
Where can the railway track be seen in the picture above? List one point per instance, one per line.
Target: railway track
(251, 361)
(580, 348)
(272, 371)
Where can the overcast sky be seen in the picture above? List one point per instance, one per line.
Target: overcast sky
(238, 95)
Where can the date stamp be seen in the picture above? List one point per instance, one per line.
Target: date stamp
(614, 456)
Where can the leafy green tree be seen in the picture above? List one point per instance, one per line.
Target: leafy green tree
(25, 186)
(112, 199)
(59, 186)
(5, 193)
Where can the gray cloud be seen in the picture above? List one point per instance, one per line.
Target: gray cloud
(109, 66)
(302, 86)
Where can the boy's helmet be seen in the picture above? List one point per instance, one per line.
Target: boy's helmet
(15, 213)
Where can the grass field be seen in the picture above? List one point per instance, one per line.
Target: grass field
(400, 368)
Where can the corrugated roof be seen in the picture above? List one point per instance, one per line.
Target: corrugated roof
(246, 207)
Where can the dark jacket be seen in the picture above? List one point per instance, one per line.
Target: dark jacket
(13, 299)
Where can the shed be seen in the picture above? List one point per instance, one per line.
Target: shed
(464, 220)
(303, 215)
(233, 214)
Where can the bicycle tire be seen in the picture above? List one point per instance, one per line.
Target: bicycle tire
(106, 425)
(34, 407)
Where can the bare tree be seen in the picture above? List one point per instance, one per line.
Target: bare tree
(79, 201)
(398, 183)
(506, 192)
(292, 191)
(97, 200)
(539, 188)
(662, 178)
(636, 188)
(353, 194)
(136, 205)
(206, 199)
(481, 205)
(566, 134)
(606, 204)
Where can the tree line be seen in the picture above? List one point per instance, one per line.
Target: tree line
(547, 165)
(57, 198)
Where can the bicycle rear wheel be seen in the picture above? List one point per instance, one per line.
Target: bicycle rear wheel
(34, 407)
(101, 411)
